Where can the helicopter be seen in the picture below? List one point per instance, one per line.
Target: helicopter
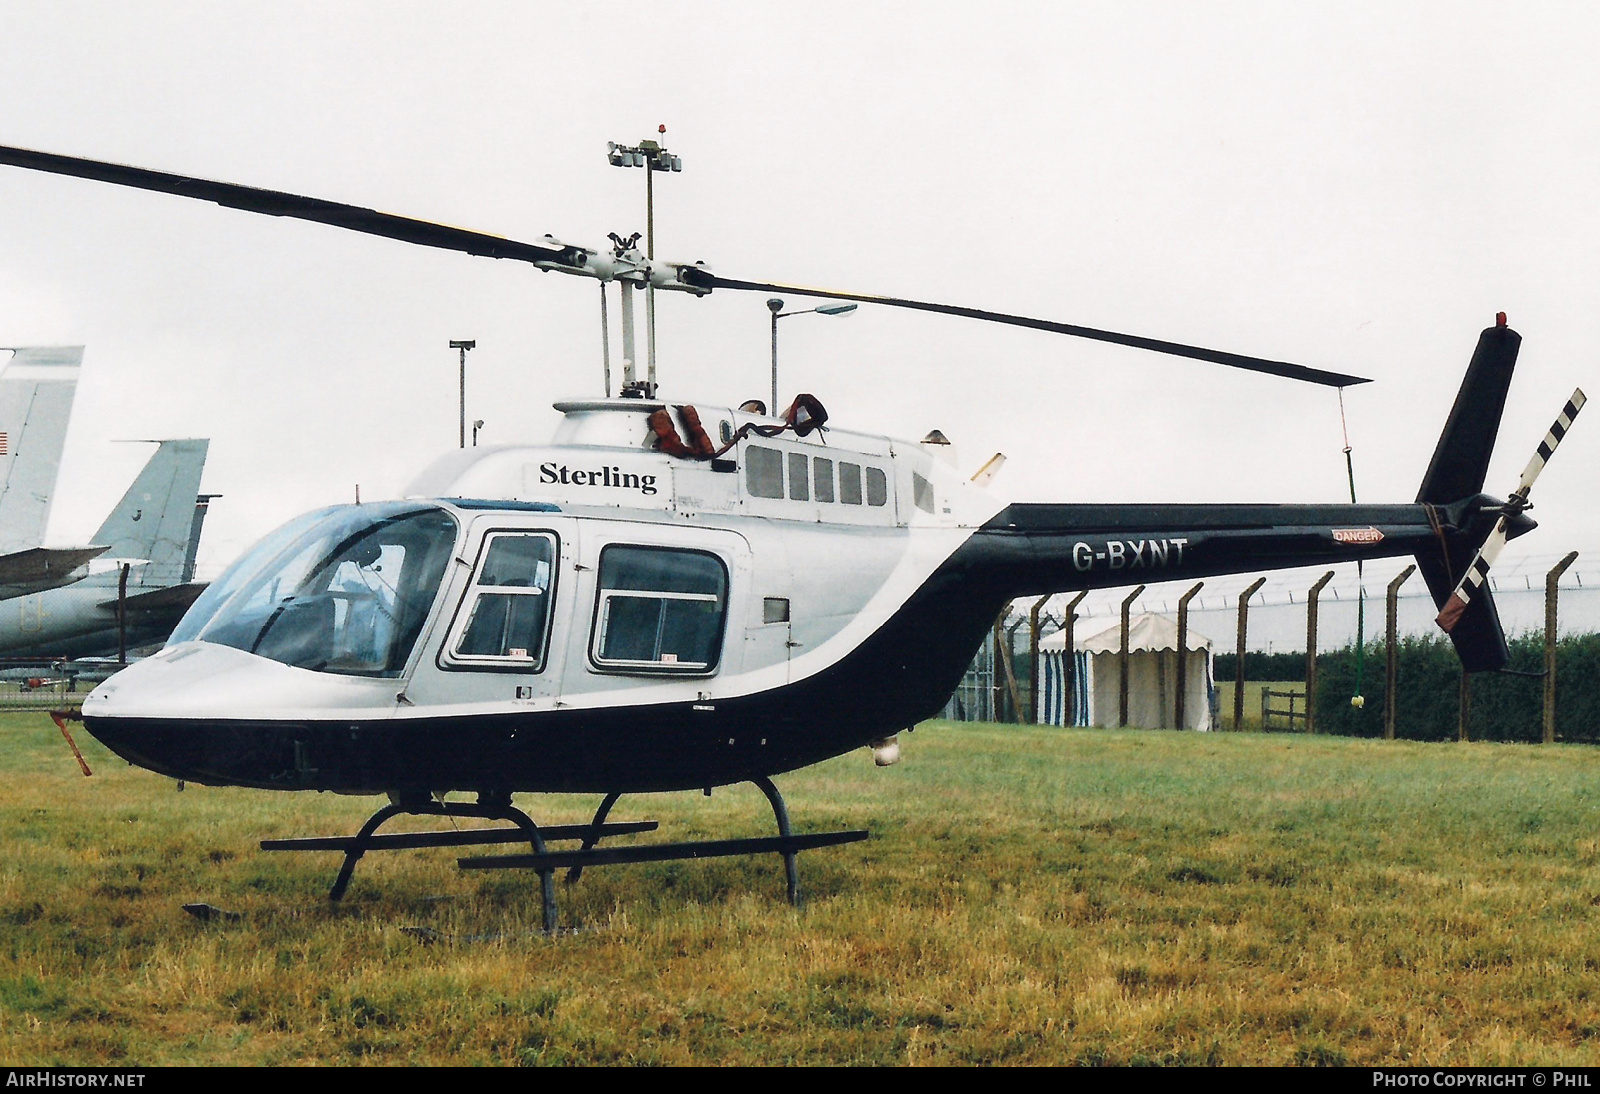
(674, 596)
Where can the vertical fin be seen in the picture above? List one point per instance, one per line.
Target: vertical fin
(1461, 461)
(1459, 466)
(202, 505)
(36, 393)
(156, 517)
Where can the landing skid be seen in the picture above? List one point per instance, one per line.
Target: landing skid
(545, 862)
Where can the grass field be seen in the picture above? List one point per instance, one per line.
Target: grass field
(1042, 896)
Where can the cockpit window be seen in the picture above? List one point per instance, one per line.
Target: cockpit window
(343, 591)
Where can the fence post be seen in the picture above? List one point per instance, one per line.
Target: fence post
(1391, 652)
(996, 701)
(1008, 657)
(1551, 580)
(1464, 706)
(1183, 655)
(1238, 673)
(1033, 654)
(1122, 661)
(1069, 663)
(1311, 650)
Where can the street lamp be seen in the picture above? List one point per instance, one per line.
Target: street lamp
(477, 425)
(775, 306)
(463, 346)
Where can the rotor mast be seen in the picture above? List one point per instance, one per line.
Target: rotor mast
(650, 155)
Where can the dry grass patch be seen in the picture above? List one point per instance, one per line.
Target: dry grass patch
(1030, 895)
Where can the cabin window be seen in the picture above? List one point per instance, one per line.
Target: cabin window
(877, 486)
(822, 478)
(921, 492)
(507, 610)
(774, 609)
(660, 610)
(849, 483)
(798, 477)
(763, 472)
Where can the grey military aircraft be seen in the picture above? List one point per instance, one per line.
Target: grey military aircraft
(671, 596)
(145, 570)
(37, 388)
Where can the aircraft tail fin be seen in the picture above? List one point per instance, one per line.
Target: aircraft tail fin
(1457, 471)
(36, 393)
(155, 519)
(1461, 460)
(202, 506)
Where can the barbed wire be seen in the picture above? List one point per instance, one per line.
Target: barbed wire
(1283, 588)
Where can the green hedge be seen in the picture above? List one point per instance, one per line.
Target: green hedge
(1504, 707)
(1262, 666)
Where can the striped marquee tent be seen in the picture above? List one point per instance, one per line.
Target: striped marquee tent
(1152, 677)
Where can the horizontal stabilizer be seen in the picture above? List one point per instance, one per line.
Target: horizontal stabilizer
(40, 568)
(170, 598)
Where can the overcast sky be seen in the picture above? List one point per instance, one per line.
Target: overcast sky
(1357, 187)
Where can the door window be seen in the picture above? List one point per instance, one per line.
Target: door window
(507, 610)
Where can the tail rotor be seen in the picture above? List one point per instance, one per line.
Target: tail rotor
(1477, 571)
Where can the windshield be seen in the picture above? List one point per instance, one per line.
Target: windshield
(343, 590)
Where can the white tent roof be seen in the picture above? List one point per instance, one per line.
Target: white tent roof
(1145, 632)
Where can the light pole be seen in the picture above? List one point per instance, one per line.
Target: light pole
(463, 346)
(775, 306)
(652, 157)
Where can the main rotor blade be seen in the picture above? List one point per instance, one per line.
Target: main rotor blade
(278, 204)
(1177, 349)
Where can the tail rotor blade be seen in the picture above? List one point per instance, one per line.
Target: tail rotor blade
(1477, 571)
(1471, 581)
(1547, 446)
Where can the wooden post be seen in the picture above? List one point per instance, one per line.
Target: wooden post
(1183, 655)
(1122, 661)
(1238, 672)
(1069, 664)
(1311, 650)
(1033, 654)
(1004, 636)
(1391, 650)
(1464, 706)
(1551, 581)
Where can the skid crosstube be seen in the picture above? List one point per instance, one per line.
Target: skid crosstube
(546, 862)
(664, 852)
(405, 841)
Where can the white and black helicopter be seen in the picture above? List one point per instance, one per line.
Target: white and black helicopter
(683, 596)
